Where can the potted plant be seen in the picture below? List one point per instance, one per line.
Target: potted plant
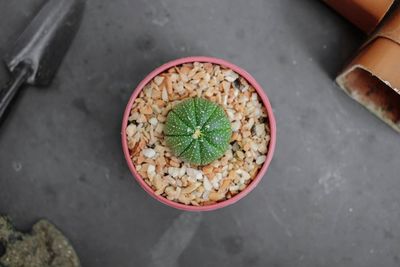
(198, 133)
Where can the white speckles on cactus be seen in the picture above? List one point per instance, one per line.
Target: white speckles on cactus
(198, 131)
(179, 143)
(177, 126)
(186, 113)
(204, 110)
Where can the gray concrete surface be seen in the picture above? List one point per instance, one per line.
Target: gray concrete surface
(330, 198)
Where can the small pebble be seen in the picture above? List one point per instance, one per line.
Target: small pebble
(158, 80)
(195, 174)
(260, 160)
(240, 154)
(254, 146)
(230, 113)
(149, 153)
(153, 121)
(231, 76)
(151, 169)
(206, 195)
(174, 172)
(164, 95)
(207, 185)
(234, 188)
(260, 130)
(243, 174)
(235, 126)
(130, 130)
(182, 171)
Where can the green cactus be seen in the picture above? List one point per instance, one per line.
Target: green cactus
(198, 131)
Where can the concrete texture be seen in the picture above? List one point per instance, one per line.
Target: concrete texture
(330, 198)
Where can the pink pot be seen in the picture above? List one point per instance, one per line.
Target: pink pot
(264, 99)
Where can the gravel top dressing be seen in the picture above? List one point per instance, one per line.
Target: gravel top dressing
(198, 134)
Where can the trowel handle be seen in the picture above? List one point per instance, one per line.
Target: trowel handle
(20, 74)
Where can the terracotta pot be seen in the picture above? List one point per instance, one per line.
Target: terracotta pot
(365, 14)
(373, 77)
(272, 125)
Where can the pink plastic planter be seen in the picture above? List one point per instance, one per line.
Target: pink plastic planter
(264, 99)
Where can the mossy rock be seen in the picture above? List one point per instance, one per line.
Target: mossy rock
(198, 131)
(44, 246)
